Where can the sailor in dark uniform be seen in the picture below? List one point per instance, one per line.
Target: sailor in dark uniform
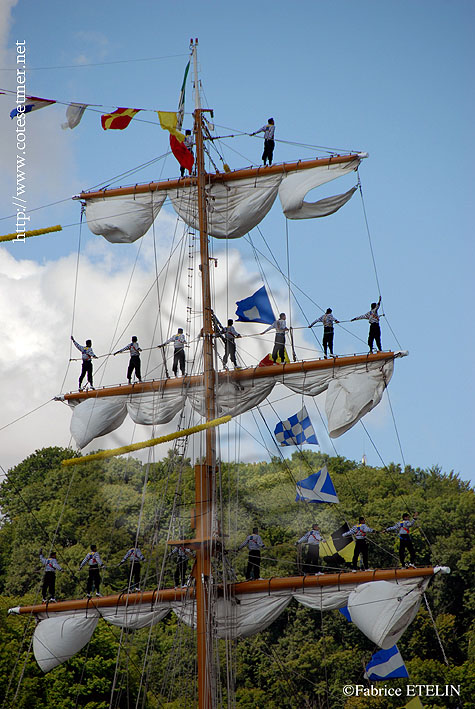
(313, 539)
(327, 319)
(269, 131)
(281, 328)
(374, 327)
(134, 362)
(136, 557)
(94, 562)
(49, 579)
(254, 544)
(230, 335)
(360, 531)
(405, 541)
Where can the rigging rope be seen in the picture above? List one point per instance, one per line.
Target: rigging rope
(371, 249)
(396, 487)
(435, 630)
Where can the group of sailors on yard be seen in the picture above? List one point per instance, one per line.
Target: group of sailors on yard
(229, 336)
(182, 555)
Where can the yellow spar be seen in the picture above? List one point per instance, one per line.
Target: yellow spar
(147, 444)
(32, 232)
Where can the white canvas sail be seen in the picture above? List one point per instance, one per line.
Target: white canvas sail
(234, 206)
(352, 391)
(383, 610)
(122, 220)
(61, 634)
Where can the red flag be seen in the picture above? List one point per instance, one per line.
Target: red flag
(268, 360)
(182, 154)
(118, 120)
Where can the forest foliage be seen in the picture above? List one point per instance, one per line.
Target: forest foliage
(304, 658)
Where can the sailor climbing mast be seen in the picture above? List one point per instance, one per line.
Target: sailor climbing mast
(204, 471)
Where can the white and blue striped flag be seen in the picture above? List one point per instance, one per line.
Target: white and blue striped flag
(318, 487)
(386, 664)
(31, 103)
(296, 430)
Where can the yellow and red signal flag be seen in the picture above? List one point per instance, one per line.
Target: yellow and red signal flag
(118, 120)
(268, 360)
(169, 121)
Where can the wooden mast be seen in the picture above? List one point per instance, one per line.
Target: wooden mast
(204, 472)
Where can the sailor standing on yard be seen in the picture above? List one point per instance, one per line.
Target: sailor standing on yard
(279, 342)
(94, 561)
(136, 557)
(268, 130)
(313, 539)
(230, 335)
(182, 556)
(360, 531)
(188, 143)
(49, 579)
(134, 362)
(179, 343)
(87, 357)
(327, 319)
(254, 544)
(374, 328)
(405, 541)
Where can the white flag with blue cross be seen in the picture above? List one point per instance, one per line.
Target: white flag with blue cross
(296, 430)
(318, 487)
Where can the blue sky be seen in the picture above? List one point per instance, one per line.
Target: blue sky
(394, 79)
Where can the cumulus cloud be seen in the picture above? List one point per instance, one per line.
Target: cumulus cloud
(117, 296)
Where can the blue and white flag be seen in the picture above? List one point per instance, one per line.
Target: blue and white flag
(32, 103)
(386, 664)
(296, 430)
(256, 308)
(345, 612)
(318, 487)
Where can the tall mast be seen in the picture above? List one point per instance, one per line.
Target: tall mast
(204, 472)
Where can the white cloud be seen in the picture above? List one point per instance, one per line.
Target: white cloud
(36, 320)
(6, 59)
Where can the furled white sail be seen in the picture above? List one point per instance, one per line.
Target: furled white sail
(58, 638)
(353, 395)
(153, 408)
(122, 220)
(352, 391)
(298, 183)
(97, 417)
(135, 616)
(233, 397)
(234, 207)
(382, 610)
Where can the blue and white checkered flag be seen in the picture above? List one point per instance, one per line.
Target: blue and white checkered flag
(318, 487)
(296, 430)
